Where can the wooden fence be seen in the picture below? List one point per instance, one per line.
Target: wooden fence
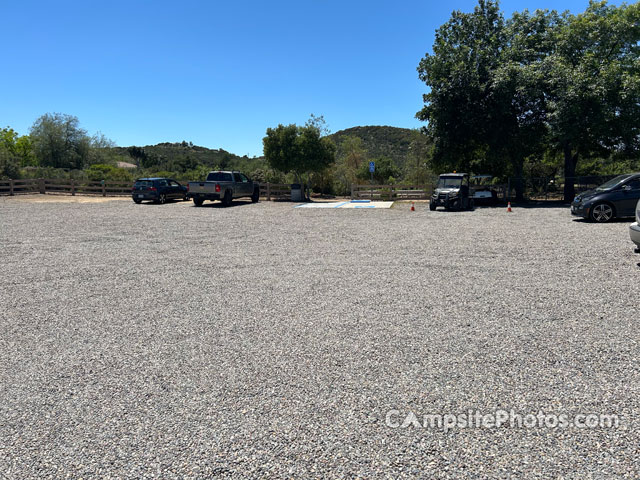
(64, 186)
(391, 192)
(270, 191)
(275, 191)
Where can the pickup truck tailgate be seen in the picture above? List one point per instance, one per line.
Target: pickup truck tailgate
(202, 187)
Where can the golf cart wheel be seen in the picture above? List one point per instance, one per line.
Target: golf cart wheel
(432, 206)
(602, 213)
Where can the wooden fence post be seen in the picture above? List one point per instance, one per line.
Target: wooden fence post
(352, 191)
(11, 186)
(41, 186)
(104, 192)
(73, 187)
(268, 191)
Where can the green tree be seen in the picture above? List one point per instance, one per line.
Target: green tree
(486, 108)
(298, 150)
(459, 74)
(15, 151)
(59, 142)
(351, 154)
(101, 150)
(385, 171)
(593, 86)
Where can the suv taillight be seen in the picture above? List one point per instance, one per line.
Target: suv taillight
(153, 189)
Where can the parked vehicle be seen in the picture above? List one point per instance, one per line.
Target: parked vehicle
(482, 190)
(452, 192)
(634, 229)
(224, 186)
(157, 190)
(616, 198)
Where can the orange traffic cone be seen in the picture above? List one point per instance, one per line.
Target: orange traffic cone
(413, 208)
(509, 207)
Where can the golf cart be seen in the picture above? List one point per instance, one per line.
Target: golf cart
(482, 190)
(452, 192)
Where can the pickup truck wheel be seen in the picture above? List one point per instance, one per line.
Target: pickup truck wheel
(256, 195)
(227, 199)
(198, 202)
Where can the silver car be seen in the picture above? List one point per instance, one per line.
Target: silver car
(634, 229)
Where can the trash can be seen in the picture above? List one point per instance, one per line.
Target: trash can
(296, 192)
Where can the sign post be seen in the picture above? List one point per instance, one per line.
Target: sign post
(372, 168)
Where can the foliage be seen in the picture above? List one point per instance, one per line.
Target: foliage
(59, 142)
(299, 150)
(505, 93)
(385, 171)
(593, 86)
(108, 172)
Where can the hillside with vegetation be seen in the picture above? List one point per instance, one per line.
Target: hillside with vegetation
(381, 141)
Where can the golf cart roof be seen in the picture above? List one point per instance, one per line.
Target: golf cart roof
(482, 176)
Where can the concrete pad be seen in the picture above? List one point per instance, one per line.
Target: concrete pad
(350, 204)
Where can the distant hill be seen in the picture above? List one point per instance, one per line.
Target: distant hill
(382, 141)
(180, 152)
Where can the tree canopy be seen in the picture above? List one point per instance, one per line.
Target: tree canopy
(59, 142)
(299, 149)
(502, 91)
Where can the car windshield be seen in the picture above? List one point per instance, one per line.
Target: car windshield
(449, 182)
(219, 177)
(612, 183)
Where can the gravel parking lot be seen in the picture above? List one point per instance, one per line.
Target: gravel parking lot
(262, 341)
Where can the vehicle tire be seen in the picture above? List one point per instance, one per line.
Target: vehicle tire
(472, 204)
(137, 201)
(256, 195)
(455, 205)
(184, 198)
(602, 213)
(227, 199)
(198, 202)
(162, 199)
(432, 206)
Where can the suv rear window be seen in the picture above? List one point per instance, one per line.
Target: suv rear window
(219, 177)
(144, 183)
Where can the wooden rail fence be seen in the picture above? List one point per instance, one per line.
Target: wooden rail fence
(391, 192)
(270, 191)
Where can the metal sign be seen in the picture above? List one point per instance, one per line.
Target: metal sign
(372, 167)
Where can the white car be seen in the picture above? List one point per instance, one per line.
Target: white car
(634, 229)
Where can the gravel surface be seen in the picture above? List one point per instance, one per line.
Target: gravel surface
(262, 341)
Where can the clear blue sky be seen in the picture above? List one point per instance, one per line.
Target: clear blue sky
(218, 73)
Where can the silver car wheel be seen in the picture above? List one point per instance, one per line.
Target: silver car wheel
(602, 213)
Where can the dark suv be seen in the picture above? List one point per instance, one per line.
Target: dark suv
(615, 198)
(157, 190)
